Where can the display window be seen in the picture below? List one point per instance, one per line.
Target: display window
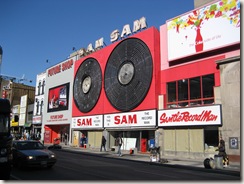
(58, 98)
(188, 92)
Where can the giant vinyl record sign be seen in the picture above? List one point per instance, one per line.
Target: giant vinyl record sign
(121, 77)
(128, 74)
(87, 85)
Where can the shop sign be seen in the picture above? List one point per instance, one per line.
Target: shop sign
(131, 119)
(114, 36)
(60, 68)
(57, 118)
(87, 122)
(196, 116)
(126, 31)
(37, 119)
(14, 124)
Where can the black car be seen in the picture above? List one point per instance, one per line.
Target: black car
(32, 153)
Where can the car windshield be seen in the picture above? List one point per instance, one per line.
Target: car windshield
(29, 145)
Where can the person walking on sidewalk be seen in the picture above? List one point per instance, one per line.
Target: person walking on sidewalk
(65, 138)
(221, 149)
(103, 144)
(120, 142)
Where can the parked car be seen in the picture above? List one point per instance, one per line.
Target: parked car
(32, 153)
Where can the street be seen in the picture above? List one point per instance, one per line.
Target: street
(85, 166)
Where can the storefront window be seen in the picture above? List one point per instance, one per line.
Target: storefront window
(195, 88)
(171, 91)
(190, 92)
(183, 90)
(207, 86)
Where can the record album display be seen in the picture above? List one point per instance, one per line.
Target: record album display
(87, 85)
(128, 74)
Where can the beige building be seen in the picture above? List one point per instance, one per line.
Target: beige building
(228, 94)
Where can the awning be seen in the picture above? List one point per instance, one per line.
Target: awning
(27, 124)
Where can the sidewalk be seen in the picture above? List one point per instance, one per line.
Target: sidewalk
(144, 157)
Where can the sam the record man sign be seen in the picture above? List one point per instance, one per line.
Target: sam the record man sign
(86, 122)
(196, 116)
(130, 119)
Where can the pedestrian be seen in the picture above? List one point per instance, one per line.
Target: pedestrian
(103, 144)
(120, 142)
(222, 152)
(27, 135)
(65, 138)
(38, 136)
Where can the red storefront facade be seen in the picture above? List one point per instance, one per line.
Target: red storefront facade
(191, 46)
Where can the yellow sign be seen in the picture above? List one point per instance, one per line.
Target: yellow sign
(14, 124)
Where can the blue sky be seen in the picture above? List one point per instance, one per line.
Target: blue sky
(32, 32)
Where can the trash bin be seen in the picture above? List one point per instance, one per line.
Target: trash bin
(209, 163)
(218, 162)
(154, 154)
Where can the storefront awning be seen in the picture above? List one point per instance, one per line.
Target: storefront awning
(27, 124)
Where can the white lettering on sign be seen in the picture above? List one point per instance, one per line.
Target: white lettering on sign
(99, 44)
(131, 119)
(206, 115)
(126, 31)
(137, 25)
(114, 36)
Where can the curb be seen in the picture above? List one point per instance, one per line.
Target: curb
(169, 164)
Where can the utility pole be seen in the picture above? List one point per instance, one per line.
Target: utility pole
(1, 56)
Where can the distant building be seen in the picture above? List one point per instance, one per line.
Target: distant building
(39, 102)
(14, 92)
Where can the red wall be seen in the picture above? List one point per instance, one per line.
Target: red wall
(193, 69)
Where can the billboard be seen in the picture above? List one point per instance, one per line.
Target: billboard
(210, 27)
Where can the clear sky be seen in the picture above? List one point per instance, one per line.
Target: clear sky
(32, 31)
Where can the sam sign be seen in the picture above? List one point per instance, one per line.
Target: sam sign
(131, 119)
(196, 116)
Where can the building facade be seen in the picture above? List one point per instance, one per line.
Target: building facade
(196, 112)
(39, 102)
(169, 88)
(57, 112)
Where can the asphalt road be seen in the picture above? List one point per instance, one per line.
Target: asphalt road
(87, 167)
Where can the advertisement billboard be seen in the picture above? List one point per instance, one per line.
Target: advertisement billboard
(210, 27)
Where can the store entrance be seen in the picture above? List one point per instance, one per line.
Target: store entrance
(137, 140)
